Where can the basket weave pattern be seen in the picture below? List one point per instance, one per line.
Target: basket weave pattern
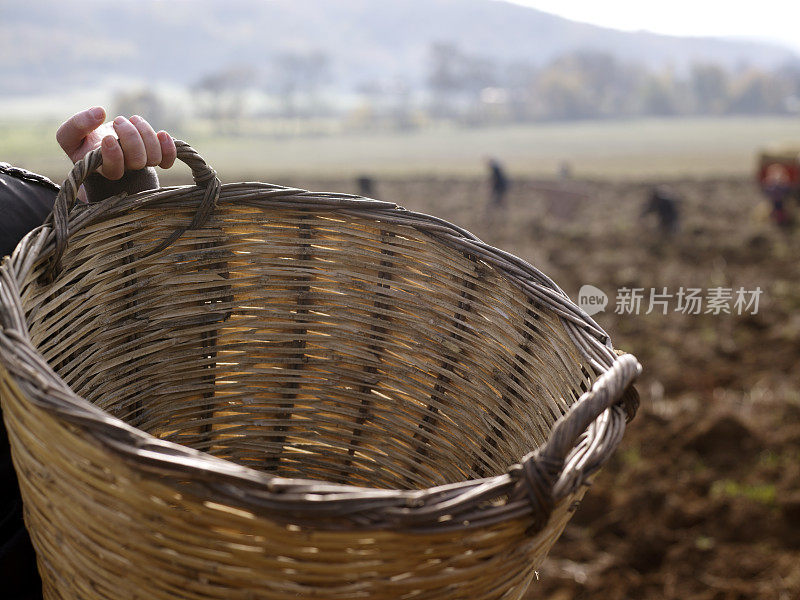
(250, 391)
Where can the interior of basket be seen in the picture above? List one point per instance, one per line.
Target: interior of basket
(308, 345)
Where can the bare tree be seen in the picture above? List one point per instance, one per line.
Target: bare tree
(755, 92)
(444, 79)
(710, 88)
(658, 97)
(148, 104)
(455, 77)
(221, 94)
(298, 77)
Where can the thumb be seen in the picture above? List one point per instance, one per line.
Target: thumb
(74, 130)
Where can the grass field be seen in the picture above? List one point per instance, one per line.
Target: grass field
(635, 149)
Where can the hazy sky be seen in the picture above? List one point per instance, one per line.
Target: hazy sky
(774, 20)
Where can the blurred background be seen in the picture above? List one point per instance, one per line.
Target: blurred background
(337, 87)
(645, 147)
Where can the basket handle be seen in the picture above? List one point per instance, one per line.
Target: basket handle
(204, 177)
(539, 471)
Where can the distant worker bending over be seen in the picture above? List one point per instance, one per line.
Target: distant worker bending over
(665, 206)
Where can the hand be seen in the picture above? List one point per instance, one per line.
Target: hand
(138, 147)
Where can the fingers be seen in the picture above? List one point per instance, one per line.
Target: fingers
(152, 144)
(133, 147)
(72, 133)
(141, 146)
(168, 151)
(113, 158)
(138, 147)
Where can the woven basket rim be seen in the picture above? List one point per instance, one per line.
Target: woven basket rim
(560, 467)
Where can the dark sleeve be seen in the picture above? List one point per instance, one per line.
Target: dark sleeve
(25, 201)
(98, 187)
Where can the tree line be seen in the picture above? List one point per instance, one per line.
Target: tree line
(596, 85)
(471, 89)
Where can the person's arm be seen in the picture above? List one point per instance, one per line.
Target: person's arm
(130, 148)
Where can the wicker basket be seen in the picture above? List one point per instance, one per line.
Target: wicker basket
(248, 391)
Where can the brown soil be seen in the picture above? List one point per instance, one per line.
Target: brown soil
(702, 499)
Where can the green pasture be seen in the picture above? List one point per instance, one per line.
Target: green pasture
(635, 149)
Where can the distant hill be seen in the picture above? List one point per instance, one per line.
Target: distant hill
(51, 45)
